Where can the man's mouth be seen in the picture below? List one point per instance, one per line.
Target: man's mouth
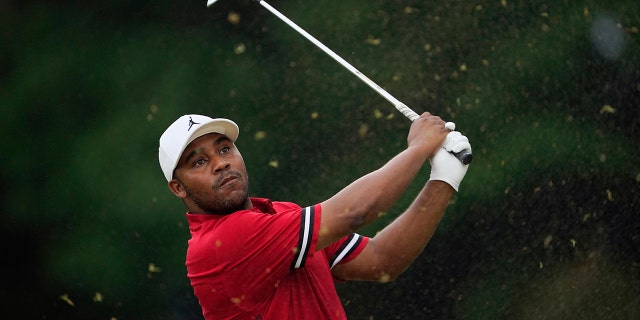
(227, 180)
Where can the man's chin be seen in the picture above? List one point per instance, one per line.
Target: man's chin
(235, 202)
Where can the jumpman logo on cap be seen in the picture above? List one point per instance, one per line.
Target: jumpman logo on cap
(191, 123)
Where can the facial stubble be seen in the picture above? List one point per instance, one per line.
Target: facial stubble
(218, 204)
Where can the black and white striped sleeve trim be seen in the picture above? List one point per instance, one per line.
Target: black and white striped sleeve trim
(306, 234)
(347, 247)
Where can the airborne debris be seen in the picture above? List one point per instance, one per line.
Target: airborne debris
(153, 268)
(259, 135)
(607, 109)
(363, 130)
(65, 298)
(379, 115)
(547, 241)
(373, 41)
(609, 195)
(153, 110)
(384, 278)
(233, 18)
(409, 10)
(239, 48)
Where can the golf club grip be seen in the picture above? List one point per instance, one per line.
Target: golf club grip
(464, 156)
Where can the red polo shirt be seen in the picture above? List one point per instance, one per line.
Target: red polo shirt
(262, 263)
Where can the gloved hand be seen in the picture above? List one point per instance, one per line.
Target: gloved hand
(445, 166)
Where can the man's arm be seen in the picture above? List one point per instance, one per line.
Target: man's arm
(394, 248)
(361, 202)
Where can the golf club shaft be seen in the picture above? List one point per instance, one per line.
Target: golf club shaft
(464, 156)
(399, 105)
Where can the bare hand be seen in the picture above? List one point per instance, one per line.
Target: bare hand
(427, 133)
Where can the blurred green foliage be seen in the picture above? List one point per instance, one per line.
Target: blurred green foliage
(545, 224)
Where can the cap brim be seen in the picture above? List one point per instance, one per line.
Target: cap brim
(222, 126)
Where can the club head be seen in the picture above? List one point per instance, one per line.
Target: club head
(210, 2)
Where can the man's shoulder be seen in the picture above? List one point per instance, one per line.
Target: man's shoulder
(285, 205)
(271, 206)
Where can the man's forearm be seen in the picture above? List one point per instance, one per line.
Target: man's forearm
(406, 237)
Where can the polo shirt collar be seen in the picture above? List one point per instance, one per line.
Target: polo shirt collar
(262, 205)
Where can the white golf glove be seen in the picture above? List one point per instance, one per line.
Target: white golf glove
(445, 166)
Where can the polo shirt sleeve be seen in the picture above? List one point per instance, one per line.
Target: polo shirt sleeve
(308, 239)
(345, 249)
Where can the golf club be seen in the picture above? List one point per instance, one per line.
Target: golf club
(464, 156)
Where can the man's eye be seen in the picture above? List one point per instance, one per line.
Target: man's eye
(225, 150)
(199, 162)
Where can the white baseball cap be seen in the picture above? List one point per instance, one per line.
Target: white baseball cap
(183, 131)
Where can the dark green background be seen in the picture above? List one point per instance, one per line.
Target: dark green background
(545, 225)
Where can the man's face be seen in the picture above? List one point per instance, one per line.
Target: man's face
(211, 176)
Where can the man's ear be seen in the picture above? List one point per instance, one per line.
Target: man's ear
(176, 187)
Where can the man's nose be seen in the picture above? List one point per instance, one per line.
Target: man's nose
(221, 164)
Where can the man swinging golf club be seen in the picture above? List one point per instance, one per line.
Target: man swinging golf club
(253, 258)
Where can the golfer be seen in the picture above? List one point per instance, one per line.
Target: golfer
(254, 258)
